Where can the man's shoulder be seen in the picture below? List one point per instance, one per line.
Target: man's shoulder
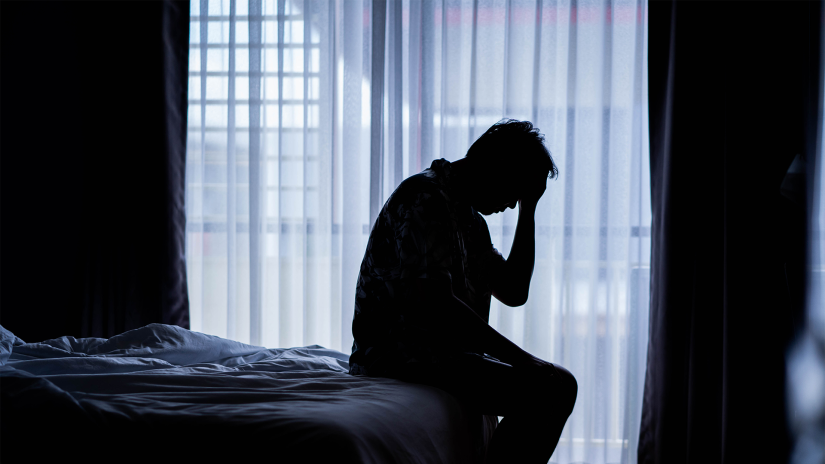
(417, 191)
(423, 182)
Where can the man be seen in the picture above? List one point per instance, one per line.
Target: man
(423, 298)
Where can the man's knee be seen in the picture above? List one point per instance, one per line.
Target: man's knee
(553, 391)
(567, 389)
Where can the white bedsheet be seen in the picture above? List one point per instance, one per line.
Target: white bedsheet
(162, 392)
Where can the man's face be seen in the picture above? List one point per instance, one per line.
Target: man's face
(489, 208)
(501, 191)
(497, 195)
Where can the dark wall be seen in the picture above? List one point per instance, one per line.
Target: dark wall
(83, 167)
(39, 156)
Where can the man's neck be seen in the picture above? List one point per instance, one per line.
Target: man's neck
(461, 179)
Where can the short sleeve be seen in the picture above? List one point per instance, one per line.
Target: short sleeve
(425, 237)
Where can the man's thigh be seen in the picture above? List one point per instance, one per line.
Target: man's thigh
(483, 384)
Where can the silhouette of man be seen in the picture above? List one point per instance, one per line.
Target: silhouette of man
(423, 298)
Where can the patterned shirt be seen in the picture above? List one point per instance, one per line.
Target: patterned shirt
(422, 232)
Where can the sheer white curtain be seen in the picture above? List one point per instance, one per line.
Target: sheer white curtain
(305, 114)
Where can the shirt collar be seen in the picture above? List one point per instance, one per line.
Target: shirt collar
(442, 170)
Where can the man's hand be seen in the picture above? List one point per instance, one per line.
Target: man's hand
(453, 322)
(536, 185)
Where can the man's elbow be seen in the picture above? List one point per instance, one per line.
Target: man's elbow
(512, 299)
(521, 300)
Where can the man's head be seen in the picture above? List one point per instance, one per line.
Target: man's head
(510, 162)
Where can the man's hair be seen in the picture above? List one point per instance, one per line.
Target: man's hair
(515, 144)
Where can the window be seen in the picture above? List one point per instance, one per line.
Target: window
(305, 115)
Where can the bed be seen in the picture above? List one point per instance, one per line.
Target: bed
(162, 393)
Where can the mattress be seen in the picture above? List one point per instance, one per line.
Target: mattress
(165, 394)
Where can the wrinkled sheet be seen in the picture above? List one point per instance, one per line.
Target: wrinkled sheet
(162, 393)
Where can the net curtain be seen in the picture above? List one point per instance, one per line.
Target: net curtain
(305, 115)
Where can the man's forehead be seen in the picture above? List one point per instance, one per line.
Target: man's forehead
(520, 177)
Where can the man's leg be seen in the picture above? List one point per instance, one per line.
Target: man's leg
(535, 404)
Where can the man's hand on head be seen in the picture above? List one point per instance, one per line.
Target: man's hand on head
(536, 185)
(511, 285)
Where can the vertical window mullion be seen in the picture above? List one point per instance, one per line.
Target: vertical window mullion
(281, 12)
(505, 82)
(443, 110)
(305, 229)
(255, 203)
(204, 41)
(231, 186)
(537, 61)
(394, 93)
(473, 66)
(379, 16)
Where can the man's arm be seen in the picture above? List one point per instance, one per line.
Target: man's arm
(512, 285)
(451, 319)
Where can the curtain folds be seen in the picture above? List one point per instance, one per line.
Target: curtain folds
(729, 85)
(175, 29)
(133, 156)
(93, 143)
(304, 115)
(805, 377)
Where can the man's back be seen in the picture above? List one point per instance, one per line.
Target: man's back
(422, 232)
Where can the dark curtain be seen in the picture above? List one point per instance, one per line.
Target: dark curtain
(731, 86)
(93, 112)
(135, 271)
